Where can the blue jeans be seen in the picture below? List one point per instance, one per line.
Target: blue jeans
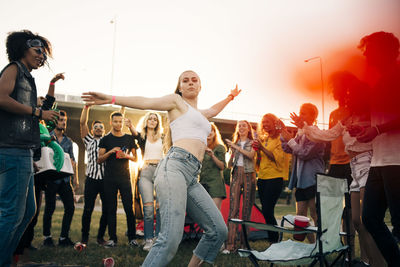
(17, 198)
(178, 191)
(146, 188)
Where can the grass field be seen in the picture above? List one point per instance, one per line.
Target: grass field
(123, 254)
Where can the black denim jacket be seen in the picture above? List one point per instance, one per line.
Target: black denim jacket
(20, 131)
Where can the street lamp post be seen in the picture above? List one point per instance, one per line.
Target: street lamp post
(113, 21)
(322, 87)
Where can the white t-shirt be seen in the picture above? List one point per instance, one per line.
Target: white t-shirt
(240, 159)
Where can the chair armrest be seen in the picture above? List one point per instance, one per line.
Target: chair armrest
(274, 228)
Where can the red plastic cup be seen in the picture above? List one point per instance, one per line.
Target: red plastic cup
(79, 246)
(108, 262)
(300, 221)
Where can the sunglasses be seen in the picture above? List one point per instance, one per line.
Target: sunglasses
(38, 47)
(98, 127)
(40, 51)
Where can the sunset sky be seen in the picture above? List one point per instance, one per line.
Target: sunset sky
(259, 44)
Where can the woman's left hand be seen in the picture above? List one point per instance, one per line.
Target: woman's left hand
(235, 92)
(209, 152)
(58, 77)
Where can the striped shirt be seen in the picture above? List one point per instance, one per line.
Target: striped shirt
(93, 169)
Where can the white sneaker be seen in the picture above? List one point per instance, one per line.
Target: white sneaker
(148, 244)
(139, 233)
(226, 252)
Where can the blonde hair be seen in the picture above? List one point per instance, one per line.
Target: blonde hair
(160, 130)
(260, 130)
(142, 125)
(178, 86)
(217, 140)
(236, 136)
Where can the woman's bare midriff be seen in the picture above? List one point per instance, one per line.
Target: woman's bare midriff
(195, 147)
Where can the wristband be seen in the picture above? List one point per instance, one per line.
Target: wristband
(40, 113)
(377, 129)
(113, 99)
(86, 106)
(231, 95)
(52, 83)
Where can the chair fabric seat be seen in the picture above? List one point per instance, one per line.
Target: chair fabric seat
(287, 252)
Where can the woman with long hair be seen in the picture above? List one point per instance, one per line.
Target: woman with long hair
(243, 178)
(213, 164)
(150, 139)
(273, 167)
(177, 188)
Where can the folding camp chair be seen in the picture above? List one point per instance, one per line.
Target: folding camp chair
(329, 203)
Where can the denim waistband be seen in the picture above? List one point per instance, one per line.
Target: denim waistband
(188, 156)
(21, 152)
(361, 155)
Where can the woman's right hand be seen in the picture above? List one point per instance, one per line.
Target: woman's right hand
(286, 135)
(256, 144)
(96, 98)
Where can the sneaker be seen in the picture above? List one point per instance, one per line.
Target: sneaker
(48, 242)
(110, 244)
(101, 241)
(133, 243)
(148, 244)
(139, 233)
(66, 242)
(226, 252)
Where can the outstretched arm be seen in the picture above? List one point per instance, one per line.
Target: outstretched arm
(217, 108)
(83, 121)
(57, 77)
(165, 103)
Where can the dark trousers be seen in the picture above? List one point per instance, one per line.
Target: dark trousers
(92, 189)
(341, 171)
(269, 191)
(64, 189)
(111, 187)
(27, 237)
(382, 191)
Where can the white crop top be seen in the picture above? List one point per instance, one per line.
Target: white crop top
(191, 125)
(153, 150)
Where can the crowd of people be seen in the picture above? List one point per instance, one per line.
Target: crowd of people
(183, 162)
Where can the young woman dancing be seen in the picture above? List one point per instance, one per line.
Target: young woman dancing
(176, 182)
(243, 177)
(273, 168)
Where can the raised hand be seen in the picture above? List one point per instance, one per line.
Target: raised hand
(58, 77)
(96, 98)
(235, 92)
(296, 120)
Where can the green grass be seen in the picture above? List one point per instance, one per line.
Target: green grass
(123, 254)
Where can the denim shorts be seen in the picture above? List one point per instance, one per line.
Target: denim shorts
(360, 166)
